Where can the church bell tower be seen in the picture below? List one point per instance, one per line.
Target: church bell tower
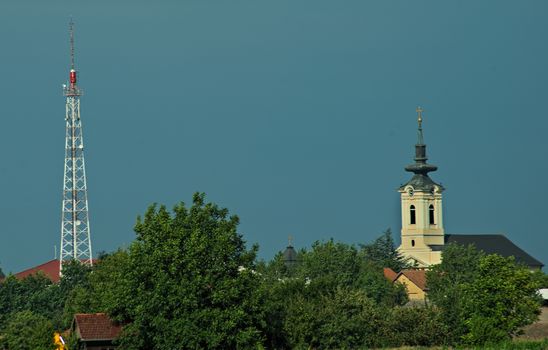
(422, 233)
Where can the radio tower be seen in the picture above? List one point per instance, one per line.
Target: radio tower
(75, 236)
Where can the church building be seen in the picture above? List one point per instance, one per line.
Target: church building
(422, 233)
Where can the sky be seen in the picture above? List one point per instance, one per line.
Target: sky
(298, 116)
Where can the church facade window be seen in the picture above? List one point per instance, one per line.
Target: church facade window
(412, 215)
(431, 214)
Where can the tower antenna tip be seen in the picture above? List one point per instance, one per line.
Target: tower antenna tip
(71, 31)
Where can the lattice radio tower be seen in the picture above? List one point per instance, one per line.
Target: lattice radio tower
(75, 233)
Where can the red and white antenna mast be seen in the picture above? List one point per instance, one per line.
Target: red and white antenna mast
(75, 231)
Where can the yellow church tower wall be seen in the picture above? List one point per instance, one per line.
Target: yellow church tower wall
(422, 232)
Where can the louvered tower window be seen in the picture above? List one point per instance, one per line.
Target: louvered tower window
(431, 214)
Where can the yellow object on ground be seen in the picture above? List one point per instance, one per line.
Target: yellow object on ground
(58, 342)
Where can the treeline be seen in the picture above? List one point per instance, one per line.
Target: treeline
(31, 309)
(189, 281)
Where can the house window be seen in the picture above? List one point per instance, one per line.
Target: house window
(413, 220)
(431, 214)
(412, 243)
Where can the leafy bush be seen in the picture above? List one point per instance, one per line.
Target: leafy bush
(26, 330)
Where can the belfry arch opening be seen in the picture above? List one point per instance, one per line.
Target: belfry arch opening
(412, 215)
(431, 215)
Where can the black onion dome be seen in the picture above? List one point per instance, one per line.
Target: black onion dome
(290, 255)
(421, 181)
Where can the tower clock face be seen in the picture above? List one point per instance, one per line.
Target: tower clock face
(410, 192)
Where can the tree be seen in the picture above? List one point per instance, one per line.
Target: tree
(446, 283)
(543, 280)
(383, 252)
(347, 319)
(99, 290)
(76, 288)
(188, 281)
(331, 265)
(414, 326)
(334, 289)
(75, 274)
(35, 292)
(500, 301)
(482, 298)
(26, 330)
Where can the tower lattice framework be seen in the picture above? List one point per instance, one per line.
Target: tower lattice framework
(75, 230)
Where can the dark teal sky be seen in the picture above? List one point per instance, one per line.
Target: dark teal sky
(299, 116)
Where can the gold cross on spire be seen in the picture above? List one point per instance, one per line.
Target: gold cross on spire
(419, 119)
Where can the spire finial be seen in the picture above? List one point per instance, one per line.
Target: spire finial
(419, 120)
(289, 240)
(71, 30)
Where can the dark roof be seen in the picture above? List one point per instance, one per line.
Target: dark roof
(495, 244)
(95, 327)
(290, 255)
(422, 182)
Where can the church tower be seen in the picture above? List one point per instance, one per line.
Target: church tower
(422, 233)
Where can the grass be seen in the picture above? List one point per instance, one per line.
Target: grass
(511, 345)
(518, 345)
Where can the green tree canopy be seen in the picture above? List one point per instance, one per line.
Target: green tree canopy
(330, 265)
(26, 330)
(188, 281)
(500, 301)
(98, 291)
(543, 280)
(334, 297)
(483, 298)
(35, 292)
(382, 251)
(446, 283)
(344, 319)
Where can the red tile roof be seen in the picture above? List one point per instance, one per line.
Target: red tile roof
(50, 269)
(95, 327)
(389, 274)
(417, 276)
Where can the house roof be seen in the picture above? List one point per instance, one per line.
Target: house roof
(417, 276)
(495, 244)
(50, 269)
(390, 274)
(95, 327)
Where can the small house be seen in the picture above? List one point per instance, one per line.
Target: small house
(95, 331)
